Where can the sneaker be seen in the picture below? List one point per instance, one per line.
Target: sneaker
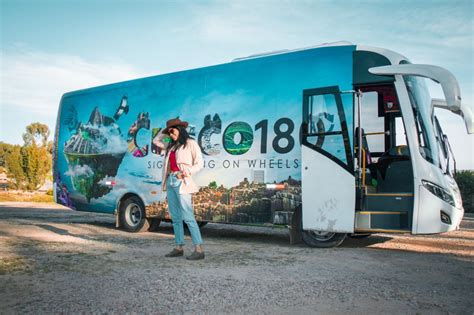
(175, 253)
(196, 256)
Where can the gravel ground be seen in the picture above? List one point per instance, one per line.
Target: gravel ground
(54, 260)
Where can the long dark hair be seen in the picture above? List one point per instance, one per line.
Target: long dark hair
(182, 139)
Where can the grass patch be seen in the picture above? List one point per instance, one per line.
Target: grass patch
(36, 197)
(13, 264)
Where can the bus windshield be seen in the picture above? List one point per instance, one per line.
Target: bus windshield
(424, 119)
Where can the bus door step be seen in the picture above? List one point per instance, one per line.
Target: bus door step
(388, 202)
(382, 221)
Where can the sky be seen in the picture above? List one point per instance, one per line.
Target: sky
(49, 47)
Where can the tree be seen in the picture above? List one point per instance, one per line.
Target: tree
(36, 155)
(5, 150)
(28, 166)
(14, 166)
(465, 181)
(49, 147)
(35, 132)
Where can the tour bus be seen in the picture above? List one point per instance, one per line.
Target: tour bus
(332, 140)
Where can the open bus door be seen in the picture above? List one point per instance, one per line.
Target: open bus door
(328, 182)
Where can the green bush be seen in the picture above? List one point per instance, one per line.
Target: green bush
(465, 180)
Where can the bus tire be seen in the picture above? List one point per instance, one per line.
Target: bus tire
(132, 215)
(154, 224)
(322, 239)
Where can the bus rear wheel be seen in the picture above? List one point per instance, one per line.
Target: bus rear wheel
(323, 239)
(132, 215)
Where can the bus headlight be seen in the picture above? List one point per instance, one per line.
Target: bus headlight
(439, 192)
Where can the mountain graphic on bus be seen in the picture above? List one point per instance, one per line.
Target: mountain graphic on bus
(94, 153)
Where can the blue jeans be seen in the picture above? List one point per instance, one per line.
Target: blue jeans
(181, 209)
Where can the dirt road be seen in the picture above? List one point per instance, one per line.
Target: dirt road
(55, 260)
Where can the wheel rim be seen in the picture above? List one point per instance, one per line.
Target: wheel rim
(321, 235)
(133, 214)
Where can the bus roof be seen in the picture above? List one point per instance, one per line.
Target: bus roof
(240, 59)
(393, 57)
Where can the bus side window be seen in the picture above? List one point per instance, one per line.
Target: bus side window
(400, 138)
(328, 127)
(371, 122)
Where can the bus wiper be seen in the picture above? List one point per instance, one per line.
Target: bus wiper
(445, 138)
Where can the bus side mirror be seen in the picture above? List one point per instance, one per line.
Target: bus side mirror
(464, 111)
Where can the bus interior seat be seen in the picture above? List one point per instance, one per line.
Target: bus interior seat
(395, 171)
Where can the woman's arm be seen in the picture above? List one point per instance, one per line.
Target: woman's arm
(198, 162)
(158, 141)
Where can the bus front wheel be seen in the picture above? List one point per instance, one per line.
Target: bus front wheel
(132, 215)
(323, 239)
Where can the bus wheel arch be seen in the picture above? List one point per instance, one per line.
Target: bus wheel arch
(312, 238)
(132, 213)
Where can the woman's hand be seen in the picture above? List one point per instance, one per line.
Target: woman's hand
(180, 175)
(158, 140)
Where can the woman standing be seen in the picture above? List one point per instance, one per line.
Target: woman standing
(182, 159)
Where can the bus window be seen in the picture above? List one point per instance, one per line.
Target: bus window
(421, 103)
(372, 124)
(443, 147)
(327, 127)
(400, 138)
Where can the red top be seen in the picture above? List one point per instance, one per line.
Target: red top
(173, 164)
